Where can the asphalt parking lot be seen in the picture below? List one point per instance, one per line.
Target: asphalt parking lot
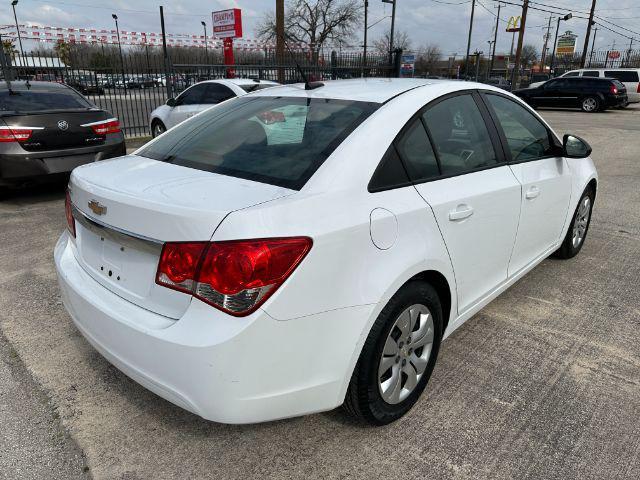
(544, 383)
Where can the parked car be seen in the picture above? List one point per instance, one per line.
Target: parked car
(630, 77)
(499, 82)
(589, 94)
(85, 84)
(199, 97)
(47, 128)
(296, 249)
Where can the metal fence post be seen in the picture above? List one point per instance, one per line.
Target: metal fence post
(334, 65)
(397, 62)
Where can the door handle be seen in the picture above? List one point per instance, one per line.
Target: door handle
(532, 193)
(461, 212)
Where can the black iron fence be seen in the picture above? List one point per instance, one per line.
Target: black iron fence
(133, 83)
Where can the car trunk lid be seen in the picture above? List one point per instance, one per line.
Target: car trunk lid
(127, 208)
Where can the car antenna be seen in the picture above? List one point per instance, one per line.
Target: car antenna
(307, 84)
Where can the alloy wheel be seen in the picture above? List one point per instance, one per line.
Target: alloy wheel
(589, 104)
(581, 221)
(406, 354)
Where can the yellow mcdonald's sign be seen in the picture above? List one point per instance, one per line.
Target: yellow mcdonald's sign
(513, 25)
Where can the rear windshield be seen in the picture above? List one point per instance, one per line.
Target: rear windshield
(26, 101)
(253, 87)
(276, 140)
(623, 76)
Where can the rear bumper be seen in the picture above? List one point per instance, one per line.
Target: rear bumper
(225, 369)
(616, 100)
(16, 168)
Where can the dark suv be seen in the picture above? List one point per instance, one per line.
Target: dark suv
(588, 93)
(47, 128)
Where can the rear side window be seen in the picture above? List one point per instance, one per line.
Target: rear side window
(276, 140)
(622, 75)
(25, 101)
(591, 73)
(192, 96)
(527, 137)
(460, 135)
(571, 74)
(390, 173)
(415, 150)
(216, 93)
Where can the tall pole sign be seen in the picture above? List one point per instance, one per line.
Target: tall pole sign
(227, 24)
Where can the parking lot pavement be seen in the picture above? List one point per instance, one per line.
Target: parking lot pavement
(543, 383)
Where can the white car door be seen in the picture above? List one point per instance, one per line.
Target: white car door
(472, 192)
(544, 174)
(187, 104)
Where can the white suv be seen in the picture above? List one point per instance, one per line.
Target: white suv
(630, 77)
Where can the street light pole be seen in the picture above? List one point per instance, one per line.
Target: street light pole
(495, 40)
(206, 48)
(393, 26)
(593, 44)
(555, 41)
(366, 27)
(124, 83)
(466, 61)
(15, 17)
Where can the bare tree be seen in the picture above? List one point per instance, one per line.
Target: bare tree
(529, 56)
(400, 40)
(427, 58)
(315, 22)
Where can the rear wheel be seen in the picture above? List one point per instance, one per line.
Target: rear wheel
(398, 356)
(157, 128)
(578, 228)
(590, 104)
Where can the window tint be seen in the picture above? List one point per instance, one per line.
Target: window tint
(39, 101)
(276, 140)
(460, 135)
(216, 93)
(623, 76)
(390, 173)
(571, 74)
(192, 96)
(526, 136)
(415, 150)
(591, 73)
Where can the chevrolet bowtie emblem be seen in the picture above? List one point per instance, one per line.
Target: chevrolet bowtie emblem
(97, 208)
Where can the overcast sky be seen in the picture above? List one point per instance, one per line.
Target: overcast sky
(441, 22)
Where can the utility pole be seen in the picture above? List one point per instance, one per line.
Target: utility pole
(586, 38)
(280, 38)
(495, 40)
(466, 58)
(544, 49)
(593, 45)
(477, 54)
(516, 70)
(393, 27)
(366, 27)
(629, 52)
(206, 47)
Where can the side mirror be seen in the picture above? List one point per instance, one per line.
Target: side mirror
(575, 147)
(171, 102)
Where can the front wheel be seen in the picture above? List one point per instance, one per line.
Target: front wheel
(157, 128)
(578, 228)
(398, 356)
(590, 104)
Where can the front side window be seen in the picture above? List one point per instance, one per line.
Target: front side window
(276, 140)
(460, 135)
(191, 96)
(526, 136)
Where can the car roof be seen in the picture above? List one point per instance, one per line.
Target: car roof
(241, 81)
(23, 86)
(377, 90)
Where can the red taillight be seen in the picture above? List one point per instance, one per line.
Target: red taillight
(613, 89)
(104, 127)
(235, 276)
(638, 89)
(71, 223)
(15, 134)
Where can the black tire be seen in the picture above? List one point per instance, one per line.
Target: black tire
(364, 400)
(590, 104)
(569, 248)
(157, 128)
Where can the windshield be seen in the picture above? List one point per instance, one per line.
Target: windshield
(25, 101)
(276, 140)
(252, 87)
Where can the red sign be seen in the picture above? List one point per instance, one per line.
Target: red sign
(227, 23)
(614, 54)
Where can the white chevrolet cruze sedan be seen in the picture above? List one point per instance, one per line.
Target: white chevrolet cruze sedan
(293, 250)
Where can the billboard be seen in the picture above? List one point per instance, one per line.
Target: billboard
(227, 23)
(407, 65)
(566, 44)
(513, 25)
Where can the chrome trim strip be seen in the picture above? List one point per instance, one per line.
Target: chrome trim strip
(122, 237)
(99, 122)
(17, 127)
